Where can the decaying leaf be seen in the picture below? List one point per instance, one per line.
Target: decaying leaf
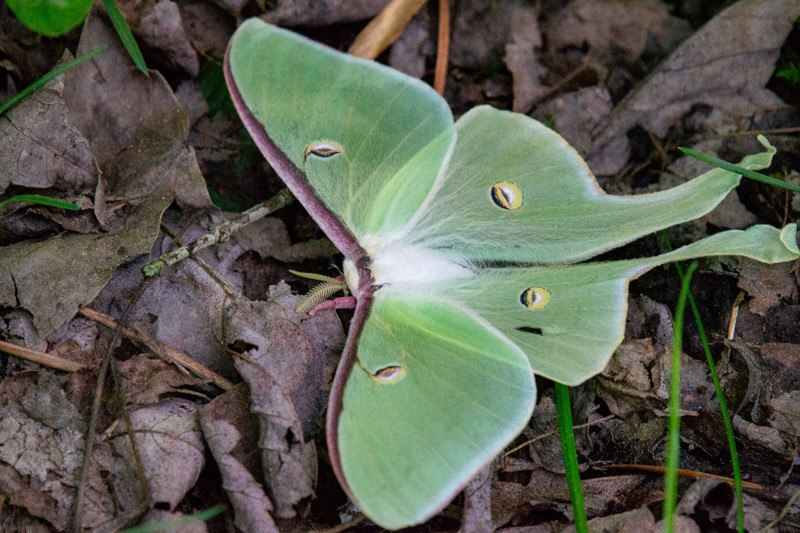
(767, 284)
(709, 69)
(41, 450)
(478, 503)
(230, 431)
(608, 26)
(521, 59)
(42, 148)
(320, 12)
(171, 450)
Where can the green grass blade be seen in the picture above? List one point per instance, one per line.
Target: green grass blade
(50, 76)
(565, 431)
(125, 35)
(199, 516)
(674, 440)
(723, 406)
(41, 200)
(752, 174)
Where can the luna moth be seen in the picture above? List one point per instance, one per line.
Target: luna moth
(466, 245)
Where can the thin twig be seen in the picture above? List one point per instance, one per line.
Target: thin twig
(219, 233)
(43, 358)
(683, 472)
(555, 432)
(166, 352)
(442, 47)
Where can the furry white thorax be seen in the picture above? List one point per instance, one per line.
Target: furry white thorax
(397, 263)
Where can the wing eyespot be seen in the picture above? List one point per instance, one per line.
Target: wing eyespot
(322, 149)
(534, 297)
(506, 195)
(390, 374)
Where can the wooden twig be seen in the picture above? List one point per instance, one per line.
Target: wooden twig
(46, 359)
(166, 352)
(442, 47)
(683, 472)
(220, 233)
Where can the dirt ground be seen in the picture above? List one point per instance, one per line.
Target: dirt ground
(157, 160)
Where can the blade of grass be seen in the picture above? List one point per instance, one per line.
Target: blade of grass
(674, 440)
(565, 431)
(41, 200)
(199, 516)
(125, 35)
(723, 406)
(752, 174)
(50, 76)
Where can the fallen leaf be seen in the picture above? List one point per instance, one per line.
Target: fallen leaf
(229, 429)
(767, 284)
(42, 148)
(208, 28)
(521, 60)
(576, 115)
(289, 461)
(319, 12)
(171, 450)
(745, 38)
(637, 521)
(409, 51)
(478, 503)
(300, 354)
(607, 27)
(75, 267)
(40, 463)
(140, 153)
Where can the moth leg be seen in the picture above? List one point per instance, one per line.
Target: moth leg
(343, 302)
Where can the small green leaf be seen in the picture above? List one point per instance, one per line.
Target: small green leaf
(41, 200)
(50, 76)
(125, 35)
(199, 516)
(753, 175)
(50, 17)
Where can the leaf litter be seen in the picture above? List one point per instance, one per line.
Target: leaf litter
(133, 152)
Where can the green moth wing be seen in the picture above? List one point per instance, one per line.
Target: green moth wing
(569, 319)
(368, 140)
(435, 394)
(561, 215)
(458, 242)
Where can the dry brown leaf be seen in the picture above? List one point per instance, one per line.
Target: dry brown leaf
(521, 60)
(714, 500)
(320, 12)
(300, 354)
(636, 521)
(289, 461)
(171, 450)
(409, 51)
(724, 65)
(766, 284)
(478, 503)
(42, 147)
(41, 450)
(606, 26)
(146, 380)
(782, 361)
(158, 25)
(73, 266)
(230, 431)
(576, 115)
(135, 126)
(208, 28)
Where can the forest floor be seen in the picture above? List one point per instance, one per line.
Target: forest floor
(160, 159)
